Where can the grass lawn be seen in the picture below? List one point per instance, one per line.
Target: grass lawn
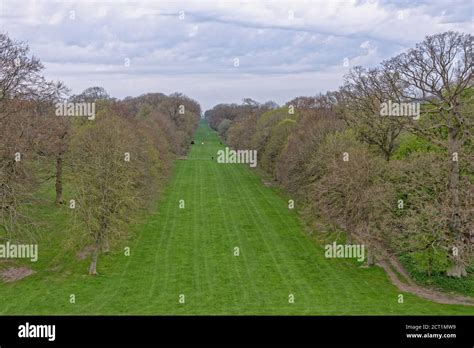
(190, 251)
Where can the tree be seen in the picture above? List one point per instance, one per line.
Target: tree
(276, 143)
(20, 76)
(53, 140)
(350, 192)
(240, 134)
(109, 168)
(224, 127)
(25, 97)
(420, 224)
(293, 169)
(438, 71)
(185, 114)
(270, 105)
(265, 124)
(361, 97)
(90, 95)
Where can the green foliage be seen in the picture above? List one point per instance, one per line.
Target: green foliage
(276, 142)
(431, 260)
(266, 124)
(437, 279)
(410, 143)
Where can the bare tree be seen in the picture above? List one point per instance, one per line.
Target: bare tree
(25, 96)
(294, 169)
(361, 98)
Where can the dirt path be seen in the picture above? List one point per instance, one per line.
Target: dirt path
(411, 287)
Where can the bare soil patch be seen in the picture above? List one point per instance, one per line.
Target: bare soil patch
(13, 274)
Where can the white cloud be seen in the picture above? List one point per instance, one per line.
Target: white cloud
(278, 53)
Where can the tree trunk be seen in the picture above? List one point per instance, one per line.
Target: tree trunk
(105, 246)
(453, 180)
(59, 179)
(458, 269)
(370, 257)
(95, 255)
(430, 266)
(105, 241)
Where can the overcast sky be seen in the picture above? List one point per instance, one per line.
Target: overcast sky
(284, 48)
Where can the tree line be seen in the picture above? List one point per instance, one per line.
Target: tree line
(113, 163)
(399, 183)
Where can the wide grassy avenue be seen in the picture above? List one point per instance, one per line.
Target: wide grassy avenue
(190, 252)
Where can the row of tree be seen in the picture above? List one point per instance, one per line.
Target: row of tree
(112, 163)
(402, 184)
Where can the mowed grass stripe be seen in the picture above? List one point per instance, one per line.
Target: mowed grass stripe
(265, 228)
(294, 246)
(241, 219)
(296, 283)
